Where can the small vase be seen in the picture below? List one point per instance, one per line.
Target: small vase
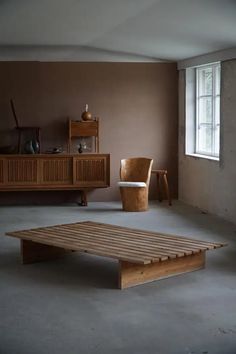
(28, 147)
(86, 115)
(36, 146)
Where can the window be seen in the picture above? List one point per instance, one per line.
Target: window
(203, 111)
(208, 110)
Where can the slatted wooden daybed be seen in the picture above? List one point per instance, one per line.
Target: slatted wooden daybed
(143, 256)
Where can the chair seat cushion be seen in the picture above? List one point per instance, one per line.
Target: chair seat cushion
(131, 184)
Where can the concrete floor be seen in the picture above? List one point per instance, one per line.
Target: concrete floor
(72, 305)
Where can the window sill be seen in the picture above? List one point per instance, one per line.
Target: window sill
(212, 158)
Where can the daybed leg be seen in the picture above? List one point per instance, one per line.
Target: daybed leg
(131, 274)
(32, 252)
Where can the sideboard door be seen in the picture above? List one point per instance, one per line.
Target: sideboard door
(91, 171)
(56, 171)
(21, 171)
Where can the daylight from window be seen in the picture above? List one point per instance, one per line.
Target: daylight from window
(208, 110)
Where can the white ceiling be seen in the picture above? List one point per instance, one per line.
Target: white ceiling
(149, 29)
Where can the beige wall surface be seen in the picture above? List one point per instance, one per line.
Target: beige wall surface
(136, 102)
(208, 184)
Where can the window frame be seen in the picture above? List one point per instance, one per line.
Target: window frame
(213, 125)
(191, 114)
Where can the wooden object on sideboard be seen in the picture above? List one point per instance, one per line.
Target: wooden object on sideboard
(79, 129)
(54, 172)
(35, 132)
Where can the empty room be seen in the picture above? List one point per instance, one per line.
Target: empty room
(117, 177)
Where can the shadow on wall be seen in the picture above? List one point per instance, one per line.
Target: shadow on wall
(8, 141)
(55, 134)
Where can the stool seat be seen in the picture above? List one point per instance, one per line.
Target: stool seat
(161, 172)
(132, 184)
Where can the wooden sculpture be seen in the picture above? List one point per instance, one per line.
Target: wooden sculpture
(134, 185)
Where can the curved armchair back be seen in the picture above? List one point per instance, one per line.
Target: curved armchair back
(137, 169)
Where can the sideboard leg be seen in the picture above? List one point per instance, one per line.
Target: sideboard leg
(84, 201)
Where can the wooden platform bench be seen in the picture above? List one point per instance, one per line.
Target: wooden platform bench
(143, 256)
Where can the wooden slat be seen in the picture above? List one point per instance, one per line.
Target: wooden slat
(100, 240)
(153, 252)
(125, 244)
(70, 240)
(80, 246)
(165, 244)
(138, 240)
(145, 233)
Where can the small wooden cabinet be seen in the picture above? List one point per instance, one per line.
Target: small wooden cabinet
(54, 172)
(78, 129)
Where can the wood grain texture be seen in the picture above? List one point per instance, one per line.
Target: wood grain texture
(91, 172)
(131, 274)
(57, 170)
(162, 180)
(22, 171)
(32, 252)
(135, 170)
(143, 255)
(83, 129)
(126, 244)
(48, 172)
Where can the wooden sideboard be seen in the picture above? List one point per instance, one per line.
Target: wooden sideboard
(54, 172)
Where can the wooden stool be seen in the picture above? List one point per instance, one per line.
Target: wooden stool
(161, 175)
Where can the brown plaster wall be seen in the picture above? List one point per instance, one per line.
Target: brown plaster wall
(136, 103)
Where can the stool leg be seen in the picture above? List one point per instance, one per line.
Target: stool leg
(167, 188)
(159, 187)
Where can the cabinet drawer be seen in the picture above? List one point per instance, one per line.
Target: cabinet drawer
(84, 128)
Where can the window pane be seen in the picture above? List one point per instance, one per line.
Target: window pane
(217, 141)
(205, 110)
(205, 139)
(217, 80)
(217, 110)
(217, 127)
(205, 81)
